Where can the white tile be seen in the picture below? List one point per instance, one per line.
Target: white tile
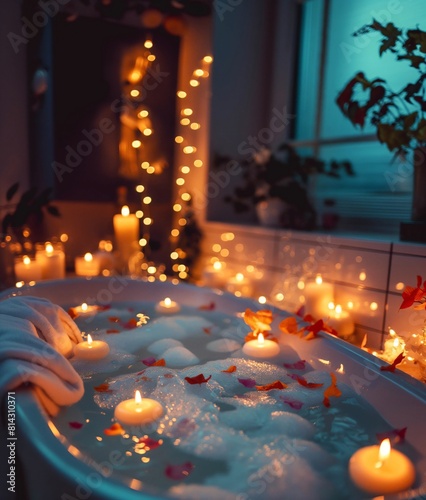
(366, 307)
(410, 248)
(404, 271)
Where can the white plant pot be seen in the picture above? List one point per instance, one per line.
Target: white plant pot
(269, 212)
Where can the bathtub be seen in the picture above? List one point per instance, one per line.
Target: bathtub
(51, 468)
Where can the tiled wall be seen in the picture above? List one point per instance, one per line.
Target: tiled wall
(368, 276)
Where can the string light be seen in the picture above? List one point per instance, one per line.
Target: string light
(185, 169)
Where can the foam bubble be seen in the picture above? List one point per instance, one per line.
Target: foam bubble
(180, 356)
(159, 346)
(223, 345)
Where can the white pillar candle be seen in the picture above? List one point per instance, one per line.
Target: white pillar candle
(91, 349)
(240, 285)
(261, 347)
(167, 306)
(317, 297)
(27, 269)
(126, 231)
(87, 265)
(138, 411)
(341, 321)
(380, 470)
(52, 260)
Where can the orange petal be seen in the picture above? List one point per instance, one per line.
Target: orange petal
(103, 388)
(231, 369)
(288, 325)
(159, 362)
(114, 430)
(273, 385)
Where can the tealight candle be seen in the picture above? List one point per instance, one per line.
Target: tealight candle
(138, 411)
(393, 346)
(317, 297)
(52, 260)
(261, 347)
(167, 306)
(27, 269)
(87, 265)
(91, 349)
(381, 470)
(84, 309)
(340, 320)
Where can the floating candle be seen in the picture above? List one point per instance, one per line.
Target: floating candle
(91, 349)
(84, 309)
(340, 320)
(138, 411)
(317, 297)
(27, 269)
(261, 347)
(167, 306)
(381, 470)
(87, 265)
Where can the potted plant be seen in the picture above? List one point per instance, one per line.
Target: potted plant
(399, 116)
(276, 185)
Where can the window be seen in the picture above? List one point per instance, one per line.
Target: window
(379, 196)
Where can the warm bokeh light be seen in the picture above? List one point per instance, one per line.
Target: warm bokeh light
(181, 94)
(140, 188)
(88, 257)
(136, 144)
(194, 83)
(198, 163)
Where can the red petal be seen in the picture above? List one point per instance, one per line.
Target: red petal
(113, 330)
(331, 391)
(247, 382)
(198, 379)
(207, 330)
(396, 361)
(103, 388)
(132, 323)
(150, 444)
(114, 319)
(178, 472)
(299, 365)
(160, 362)
(75, 425)
(305, 383)
(293, 403)
(208, 307)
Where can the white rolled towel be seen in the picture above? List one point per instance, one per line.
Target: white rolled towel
(32, 335)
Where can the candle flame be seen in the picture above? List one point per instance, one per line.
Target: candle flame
(138, 401)
(217, 266)
(125, 211)
(384, 452)
(89, 340)
(239, 276)
(27, 260)
(167, 302)
(260, 340)
(49, 247)
(396, 343)
(392, 332)
(331, 305)
(338, 309)
(84, 306)
(88, 257)
(318, 279)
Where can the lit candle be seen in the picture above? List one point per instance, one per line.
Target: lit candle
(340, 320)
(84, 309)
(240, 285)
(215, 275)
(126, 231)
(381, 470)
(393, 346)
(27, 269)
(87, 265)
(91, 349)
(317, 297)
(52, 260)
(105, 255)
(261, 347)
(167, 306)
(138, 411)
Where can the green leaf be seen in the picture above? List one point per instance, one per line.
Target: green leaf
(12, 191)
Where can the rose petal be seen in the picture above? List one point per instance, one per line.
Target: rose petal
(230, 369)
(114, 430)
(75, 425)
(299, 365)
(198, 379)
(149, 443)
(293, 403)
(103, 388)
(273, 385)
(178, 472)
(247, 382)
(148, 361)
